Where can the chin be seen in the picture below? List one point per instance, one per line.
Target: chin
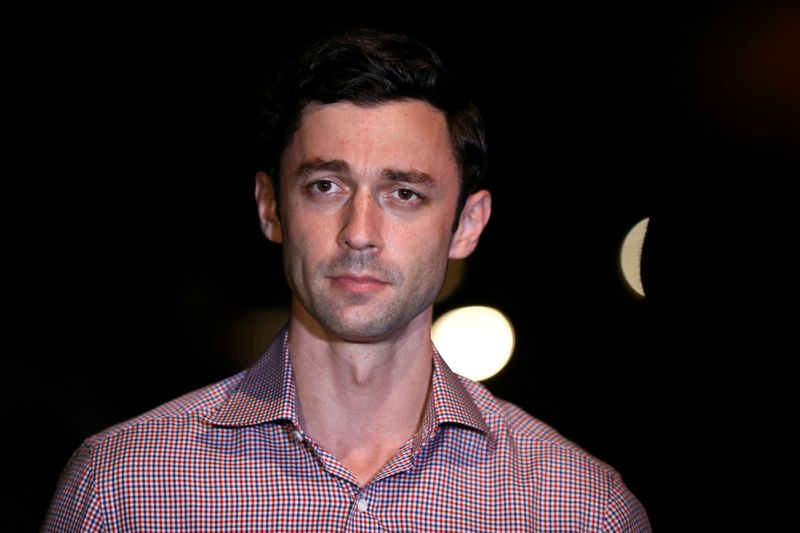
(373, 323)
(361, 331)
(360, 335)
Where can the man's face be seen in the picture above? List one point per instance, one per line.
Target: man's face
(368, 198)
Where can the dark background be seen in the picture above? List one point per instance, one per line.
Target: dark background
(133, 269)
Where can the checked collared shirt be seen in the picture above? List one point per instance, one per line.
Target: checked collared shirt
(233, 457)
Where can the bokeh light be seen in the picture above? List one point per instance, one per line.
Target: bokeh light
(475, 341)
(252, 331)
(453, 278)
(630, 257)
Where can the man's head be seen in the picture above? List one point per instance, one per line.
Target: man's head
(369, 188)
(367, 68)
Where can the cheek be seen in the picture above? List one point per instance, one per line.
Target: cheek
(308, 243)
(301, 229)
(425, 253)
(429, 232)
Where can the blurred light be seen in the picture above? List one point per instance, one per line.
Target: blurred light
(747, 70)
(476, 341)
(251, 333)
(631, 256)
(453, 278)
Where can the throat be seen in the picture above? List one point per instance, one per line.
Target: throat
(365, 462)
(361, 403)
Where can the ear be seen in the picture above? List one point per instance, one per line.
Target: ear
(268, 207)
(473, 219)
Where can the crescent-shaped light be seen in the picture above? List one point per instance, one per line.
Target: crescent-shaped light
(630, 257)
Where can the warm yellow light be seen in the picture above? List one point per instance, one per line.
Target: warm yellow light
(476, 341)
(251, 332)
(453, 279)
(631, 256)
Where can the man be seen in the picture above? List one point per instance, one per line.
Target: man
(351, 421)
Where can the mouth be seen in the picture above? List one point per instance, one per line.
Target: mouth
(357, 284)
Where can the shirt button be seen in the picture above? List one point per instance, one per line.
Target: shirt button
(362, 504)
(298, 436)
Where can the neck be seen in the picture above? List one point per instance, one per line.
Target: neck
(361, 401)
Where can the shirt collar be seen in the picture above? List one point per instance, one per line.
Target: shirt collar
(451, 403)
(267, 394)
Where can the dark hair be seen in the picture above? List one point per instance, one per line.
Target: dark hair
(369, 67)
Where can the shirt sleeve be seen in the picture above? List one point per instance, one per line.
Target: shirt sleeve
(624, 512)
(76, 504)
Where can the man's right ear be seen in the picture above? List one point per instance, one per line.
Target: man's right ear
(268, 207)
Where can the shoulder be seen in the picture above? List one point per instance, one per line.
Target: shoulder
(76, 505)
(193, 407)
(561, 472)
(168, 427)
(528, 433)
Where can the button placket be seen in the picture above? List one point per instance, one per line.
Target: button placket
(361, 503)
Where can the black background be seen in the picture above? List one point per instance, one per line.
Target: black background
(131, 245)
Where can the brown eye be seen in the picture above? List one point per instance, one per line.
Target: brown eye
(323, 186)
(407, 196)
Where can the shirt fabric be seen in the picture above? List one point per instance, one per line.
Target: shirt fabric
(234, 457)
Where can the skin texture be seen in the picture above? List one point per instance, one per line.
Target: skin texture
(368, 198)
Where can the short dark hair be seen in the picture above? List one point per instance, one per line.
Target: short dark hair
(370, 67)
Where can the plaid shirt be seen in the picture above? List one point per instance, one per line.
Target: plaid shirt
(233, 457)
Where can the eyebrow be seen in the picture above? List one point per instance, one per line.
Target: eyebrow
(318, 164)
(340, 166)
(408, 176)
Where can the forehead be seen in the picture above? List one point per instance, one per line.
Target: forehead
(407, 135)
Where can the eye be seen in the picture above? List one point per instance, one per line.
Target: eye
(323, 187)
(407, 196)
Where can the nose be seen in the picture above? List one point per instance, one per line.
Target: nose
(361, 225)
